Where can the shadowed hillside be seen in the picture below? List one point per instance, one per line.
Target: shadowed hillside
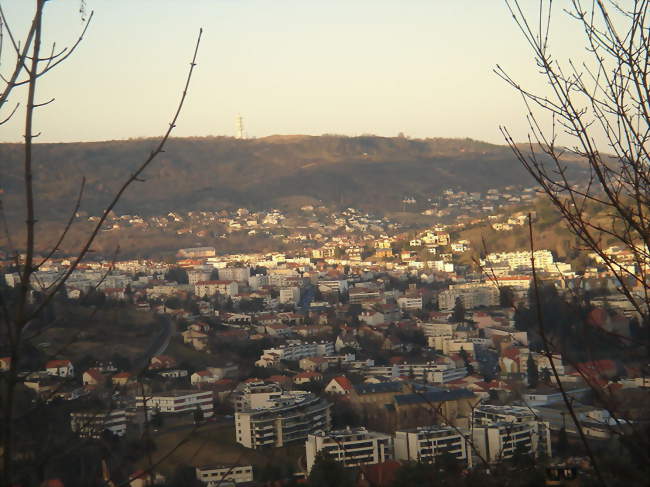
(206, 173)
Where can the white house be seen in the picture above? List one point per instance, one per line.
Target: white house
(62, 368)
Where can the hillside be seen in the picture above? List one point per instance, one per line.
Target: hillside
(368, 172)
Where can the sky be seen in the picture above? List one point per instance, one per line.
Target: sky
(423, 68)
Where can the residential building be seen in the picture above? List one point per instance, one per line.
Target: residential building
(211, 288)
(178, 402)
(61, 368)
(285, 419)
(216, 475)
(351, 446)
(92, 424)
(410, 303)
(339, 385)
(500, 431)
(239, 274)
(244, 395)
(289, 295)
(425, 443)
(437, 329)
(472, 294)
(295, 350)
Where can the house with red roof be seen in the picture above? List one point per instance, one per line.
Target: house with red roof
(121, 378)
(339, 385)
(93, 378)
(162, 362)
(61, 368)
(511, 360)
(314, 364)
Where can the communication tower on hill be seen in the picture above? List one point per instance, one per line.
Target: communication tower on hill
(240, 127)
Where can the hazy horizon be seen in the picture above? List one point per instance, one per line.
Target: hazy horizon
(423, 69)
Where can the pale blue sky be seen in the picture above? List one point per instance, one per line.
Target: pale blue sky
(422, 67)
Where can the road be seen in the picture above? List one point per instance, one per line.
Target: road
(157, 346)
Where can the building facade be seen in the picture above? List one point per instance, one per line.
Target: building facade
(424, 444)
(178, 402)
(351, 447)
(284, 419)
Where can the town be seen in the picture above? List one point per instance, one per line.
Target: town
(364, 343)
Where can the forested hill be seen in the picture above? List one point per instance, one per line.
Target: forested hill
(214, 172)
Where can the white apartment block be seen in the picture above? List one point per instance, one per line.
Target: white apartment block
(430, 371)
(242, 397)
(289, 295)
(296, 349)
(473, 295)
(358, 294)
(543, 259)
(446, 375)
(91, 424)
(333, 285)
(210, 288)
(425, 443)
(197, 275)
(437, 329)
(239, 274)
(178, 402)
(409, 303)
(351, 446)
(293, 416)
(215, 475)
(499, 431)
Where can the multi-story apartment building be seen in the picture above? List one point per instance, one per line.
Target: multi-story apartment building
(437, 329)
(333, 285)
(409, 303)
(296, 349)
(197, 275)
(91, 424)
(178, 402)
(239, 274)
(425, 443)
(244, 395)
(216, 475)
(285, 419)
(210, 288)
(472, 294)
(430, 371)
(446, 375)
(498, 432)
(361, 294)
(289, 295)
(543, 259)
(351, 446)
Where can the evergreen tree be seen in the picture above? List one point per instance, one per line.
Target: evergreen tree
(465, 357)
(458, 315)
(198, 415)
(533, 373)
(545, 375)
(562, 443)
(327, 472)
(156, 419)
(506, 297)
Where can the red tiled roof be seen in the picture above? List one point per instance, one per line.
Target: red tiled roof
(95, 374)
(344, 382)
(52, 364)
